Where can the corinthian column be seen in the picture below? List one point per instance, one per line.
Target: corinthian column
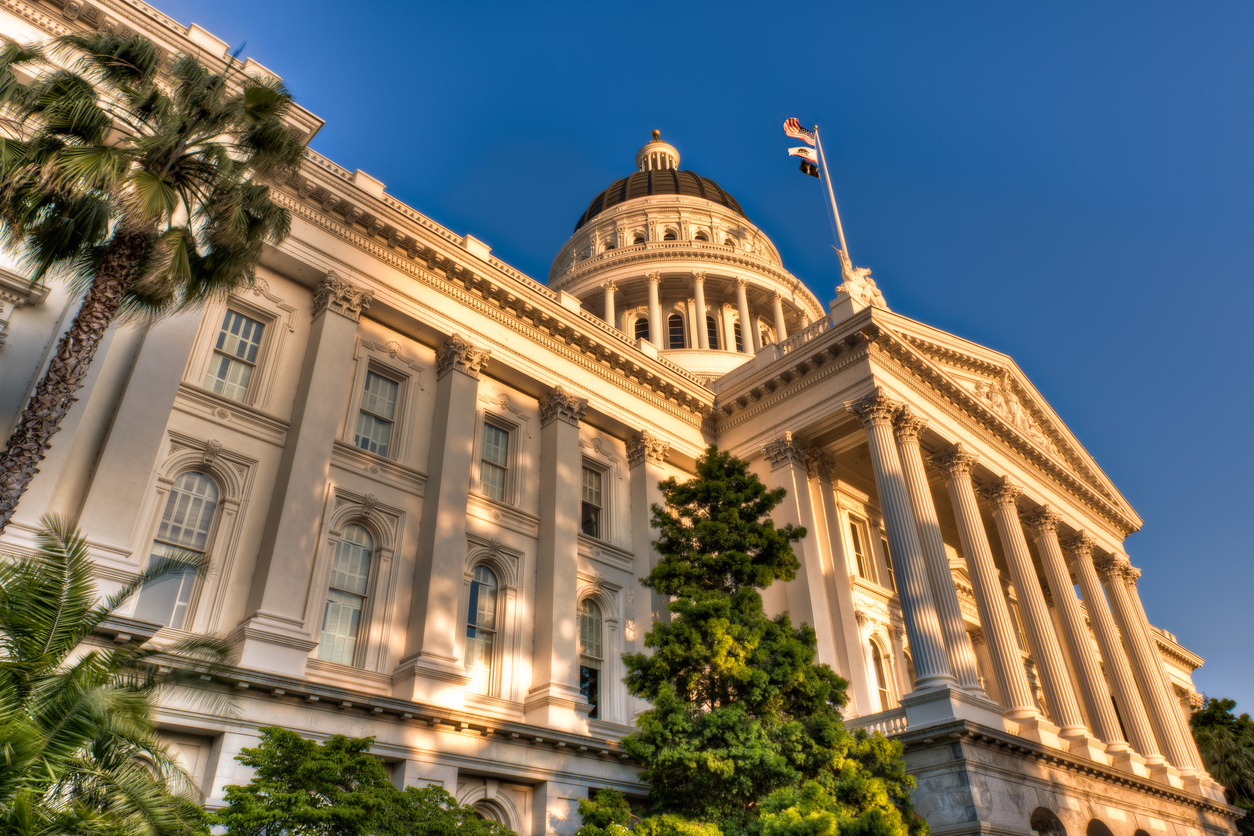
(1117, 573)
(746, 327)
(698, 297)
(931, 667)
(957, 644)
(999, 637)
(1135, 721)
(780, 330)
(655, 310)
(610, 318)
(1101, 712)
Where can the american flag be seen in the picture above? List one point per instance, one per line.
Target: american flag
(793, 128)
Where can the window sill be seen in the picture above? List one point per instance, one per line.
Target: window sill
(348, 676)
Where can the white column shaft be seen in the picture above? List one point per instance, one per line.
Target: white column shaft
(746, 327)
(781, 331)
(698, 293)
(610, 317)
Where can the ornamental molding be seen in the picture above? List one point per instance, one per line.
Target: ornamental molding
(342, 297)
(908, 425)
(1043, 522)
(458, 355)
(1002, 493)
(820, 466)
(558, 405)
(875, 409)
(645, 446)
(955, 462)
(1079, 546)
(1115, 568)
(786, 450)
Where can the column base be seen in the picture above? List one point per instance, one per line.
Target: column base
(1081, 743)
(1165, 773)
(434, 680)
(1127, 760)
(556, 705)
(948, 703)
(1039, 729)
(272, 643)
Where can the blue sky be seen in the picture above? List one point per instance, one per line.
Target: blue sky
(1069, 183)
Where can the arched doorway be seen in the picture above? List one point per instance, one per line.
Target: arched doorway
(1097, 827)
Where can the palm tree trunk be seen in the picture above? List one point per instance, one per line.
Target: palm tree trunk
(56, 391)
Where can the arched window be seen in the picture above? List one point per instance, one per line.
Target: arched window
(1097, 827)
(346, 596)
(670, 235)
(881, 677)
(1046, 823)
(639, 239)
(642, 327)
(185, 527)
(590, 654)
(675, 331)
(727, 242)
(701, 236)
(611, 244)
(481, 629)
(711, 331)
(740, 340)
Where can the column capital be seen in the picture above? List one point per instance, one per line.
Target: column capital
(654, 277)
(820, 465)
(742, 283)
(645, 446)
(775, 294)
(1113, 567)
(1002, 493)
(610, 285)
(955, 461)
(558, 404)
(458, 355)
(698, 276)
(977, 636)
(908, 425)
(342, 297)
(1043, 521)
(874, 409)
(785, 450)
(1079, 546)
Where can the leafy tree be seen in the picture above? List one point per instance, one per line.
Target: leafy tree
(78, 750)
(305, 788)
(139, 186)
(745, 734)
(1226, 743)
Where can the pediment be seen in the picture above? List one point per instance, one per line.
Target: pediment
(992, 389)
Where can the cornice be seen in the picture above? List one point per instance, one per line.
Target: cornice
(540, 318)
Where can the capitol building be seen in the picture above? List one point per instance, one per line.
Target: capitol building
(423, 481)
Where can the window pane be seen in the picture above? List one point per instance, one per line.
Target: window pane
(740, 343)
(228, 378)
(189, 512)
(675, 330)
(590, 509)
(479, 658)
(165, 600)
(592, 486)
(711, 330)
(373, 434)
(481, 629)
(351, 568)
(495, 444)
(590, 687)
(590, 629)
(482, 609)
(888, 564)
(642, 328)
(492, 479)
(240, 337)
(340, 623)
(380, 396)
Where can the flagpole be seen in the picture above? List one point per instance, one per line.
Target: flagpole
(835, 212)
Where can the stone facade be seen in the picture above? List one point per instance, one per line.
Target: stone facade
(423, 480)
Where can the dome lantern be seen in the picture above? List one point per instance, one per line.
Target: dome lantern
(657, 155)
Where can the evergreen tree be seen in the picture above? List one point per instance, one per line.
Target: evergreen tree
(745, 734)
(306, 788)
(1226, 743)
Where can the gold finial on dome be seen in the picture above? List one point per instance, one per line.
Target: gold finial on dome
(657, 155)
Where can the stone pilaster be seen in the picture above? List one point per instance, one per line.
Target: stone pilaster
(1079, 548)
(999, 632)
(962, 662)
(1117, 575)
(282, 617)
(432, 668)
(807, 592)
(646, 454)
(554, 699)
(1042, 640)
(931, 665)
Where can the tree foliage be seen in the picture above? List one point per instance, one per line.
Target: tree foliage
(78, 750)
(1226, 743)
(745, 734)
(306, 788)
(139, 185)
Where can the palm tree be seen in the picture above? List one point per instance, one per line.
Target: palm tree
(78, 750)
(139, 185)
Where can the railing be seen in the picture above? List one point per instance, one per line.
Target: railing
(325, 164)
(887, 723)
(810, 332)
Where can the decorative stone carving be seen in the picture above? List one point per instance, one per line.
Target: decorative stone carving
(956, 461)
(459, 355)
(369, 504)
(213, 449)
(645, 446)
(342, 297)
(654, 278)
(908, 425)
(819, 466)
(858, 284)
(394, 349)
(557, 404)
(1196, 700)
(1042, 521)
(609, 286)
(998, 396)
(863, 618)
(260, 286)
(1112, 567)
(1002, 492)
(785, 450)
(1078, 546)
(977, 636)
(875, 408)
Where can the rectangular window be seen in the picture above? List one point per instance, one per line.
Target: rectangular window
(378, 414)
(859, 543)
(740, 342)
(234, 356)
(711, 331)
(493, 468)
(592, 510)
(888, 563)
